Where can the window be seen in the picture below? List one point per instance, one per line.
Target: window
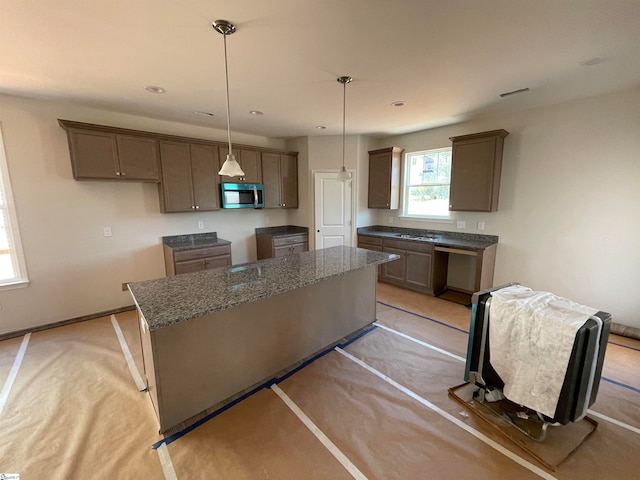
(12, 267)
(426, 183)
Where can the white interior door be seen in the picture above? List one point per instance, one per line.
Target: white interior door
(333, 210)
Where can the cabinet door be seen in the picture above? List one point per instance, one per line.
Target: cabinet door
(288, 181)
(396, 269)
(93, 154)
(138, 158)
(250, 162)
(476, 164)
(271, 180)
(176, 187)
(418, 270)
(204, 176)
(384, 178)
(190, 266)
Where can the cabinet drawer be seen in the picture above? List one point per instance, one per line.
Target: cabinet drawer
(197, 253)
(221, 261)
(189, 266)
(366, 240)
(377, 248)
(290, 240)
(408, 245)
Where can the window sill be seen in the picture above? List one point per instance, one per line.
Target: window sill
(427, 219)
(14, 285)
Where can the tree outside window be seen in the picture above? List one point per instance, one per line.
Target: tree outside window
(427, 180)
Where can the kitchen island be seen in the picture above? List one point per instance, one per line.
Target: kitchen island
(209, 337)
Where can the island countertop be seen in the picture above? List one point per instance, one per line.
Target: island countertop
(167, 301)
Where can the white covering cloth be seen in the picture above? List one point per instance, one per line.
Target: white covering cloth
(531, 335)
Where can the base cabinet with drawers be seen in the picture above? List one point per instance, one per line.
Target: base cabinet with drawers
(196, 259)
(281, 244)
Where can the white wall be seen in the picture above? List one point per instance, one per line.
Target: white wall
(568, 216)
(74, 270)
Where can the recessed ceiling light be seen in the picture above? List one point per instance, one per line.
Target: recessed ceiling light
(398, 103)
(154, 89)
(256, 112)
(204, 114)
(591, 61)
(514, 92)
(321, 127)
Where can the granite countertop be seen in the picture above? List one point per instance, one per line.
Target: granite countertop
(465, 241)
(282, 231)
(194, 240)
(171, 300)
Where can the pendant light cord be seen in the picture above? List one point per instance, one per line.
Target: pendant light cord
(344, 116)
(226, 77)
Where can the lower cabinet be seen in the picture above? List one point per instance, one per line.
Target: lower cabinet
(196, 259)
(414, 267)
(371, 243)
(270, 246)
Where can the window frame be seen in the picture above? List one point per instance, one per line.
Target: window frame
(20, 278)
(405, 188)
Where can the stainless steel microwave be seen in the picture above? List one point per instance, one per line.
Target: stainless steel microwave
(242, 195)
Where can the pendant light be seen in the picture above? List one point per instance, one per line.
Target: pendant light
(343, 175)
(230, 167)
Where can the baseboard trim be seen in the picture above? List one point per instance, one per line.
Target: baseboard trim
(62, 323)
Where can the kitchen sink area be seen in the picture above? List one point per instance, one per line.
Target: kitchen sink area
(450, 265)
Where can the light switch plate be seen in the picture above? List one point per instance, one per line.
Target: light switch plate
(480, 225)
(106, 231)
(201, 225)
(461, 224)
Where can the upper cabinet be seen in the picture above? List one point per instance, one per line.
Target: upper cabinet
(475, 171)
(189, 177)
(104, 153)
(384, 178)
(249, 161)
(280, 179)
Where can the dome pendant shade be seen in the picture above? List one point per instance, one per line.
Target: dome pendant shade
(343, 175)
(230, 167)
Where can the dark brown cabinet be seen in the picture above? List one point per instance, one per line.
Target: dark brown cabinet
(189, 177)
(384, 178)
(414, 268)
(98, 153)
(196, 259)
(273, 246)
(249, 161)
(475, 171)
(371, 243)
(280, 180)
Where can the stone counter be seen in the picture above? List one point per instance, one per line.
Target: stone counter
(465, 241)
(194, 240)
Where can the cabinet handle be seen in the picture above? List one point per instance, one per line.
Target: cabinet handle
(197, 207)
(284, 205)
(117, 173)
(123, 174)
(193, 207)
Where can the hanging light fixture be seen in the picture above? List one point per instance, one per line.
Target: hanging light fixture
(230, 167)
(343, 175)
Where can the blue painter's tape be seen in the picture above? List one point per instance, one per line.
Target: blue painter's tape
(172, 438)
(620, 384)
(422, 316)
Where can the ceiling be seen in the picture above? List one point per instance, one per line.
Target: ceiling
(448, 60)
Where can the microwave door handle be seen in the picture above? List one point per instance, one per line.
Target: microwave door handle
(255, 197)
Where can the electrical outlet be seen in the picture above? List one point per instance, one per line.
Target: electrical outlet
(480, 225)
(201, 225)
(106, 231)
(461, 224)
